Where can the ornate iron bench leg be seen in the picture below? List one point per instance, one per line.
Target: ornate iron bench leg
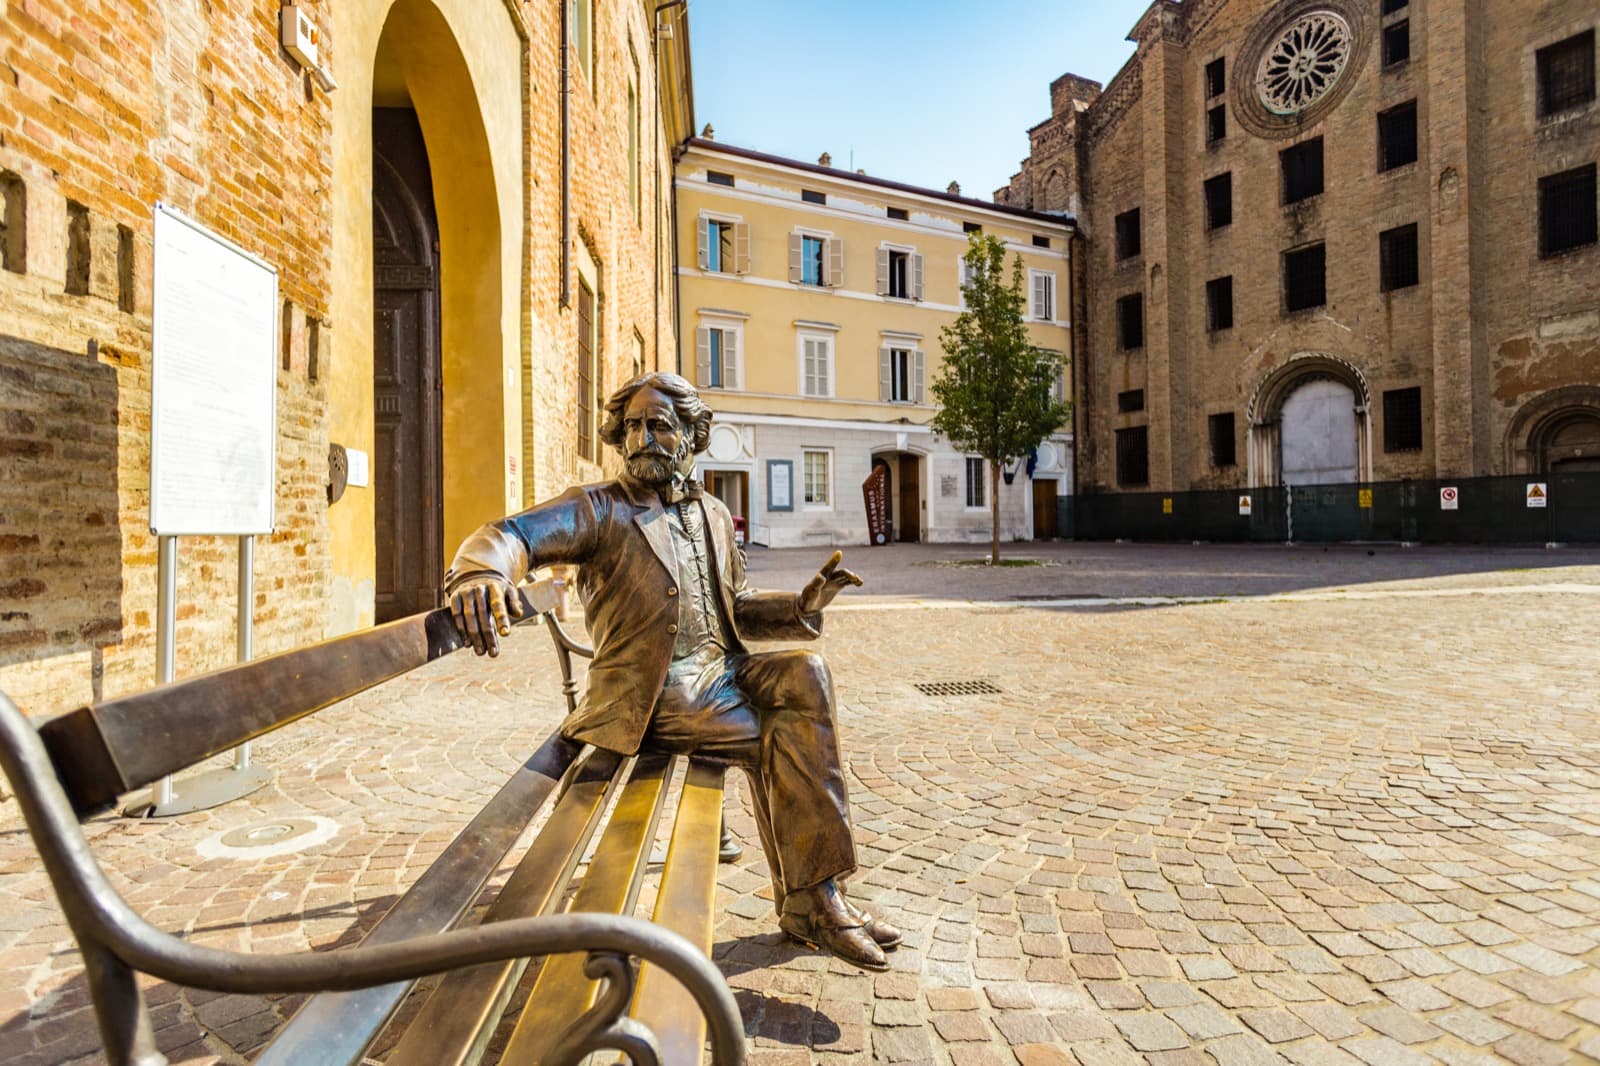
(606, 1025)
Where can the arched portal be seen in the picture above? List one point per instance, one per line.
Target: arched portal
(1558, 432)
(438, 337)
(1309, 424)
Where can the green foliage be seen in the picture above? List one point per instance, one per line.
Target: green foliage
(994, 388)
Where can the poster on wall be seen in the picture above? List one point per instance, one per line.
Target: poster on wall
(780, 485)
(213, 381)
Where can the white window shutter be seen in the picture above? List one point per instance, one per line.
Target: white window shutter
(702, 356)
(916, 275)
(1038, 296)
(918, 377)
(703, 232)
(835, 262)
(885, 375)
(883, 271)
(794, 256)
(741, 247)
(730, 359)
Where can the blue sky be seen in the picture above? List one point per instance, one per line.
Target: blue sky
(921, 92)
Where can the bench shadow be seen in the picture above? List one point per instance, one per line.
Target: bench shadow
(769, 1017)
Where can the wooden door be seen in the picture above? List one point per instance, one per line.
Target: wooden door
(908, 527)
(1044, 508)
(406, 484)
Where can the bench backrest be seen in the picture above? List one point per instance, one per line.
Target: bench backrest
(110, 748)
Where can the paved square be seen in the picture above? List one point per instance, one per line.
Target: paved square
(1294, 805)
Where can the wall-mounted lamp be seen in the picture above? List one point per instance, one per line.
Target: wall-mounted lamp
(299, 36)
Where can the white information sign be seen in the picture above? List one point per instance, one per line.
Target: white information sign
(1538, 493)
(1449, 499)
(1244, 505)
(213, 417)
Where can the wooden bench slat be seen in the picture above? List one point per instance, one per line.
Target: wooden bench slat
(462, 1011)
(686, 904)
(103, 751)
(562, 991)
(333, 1029)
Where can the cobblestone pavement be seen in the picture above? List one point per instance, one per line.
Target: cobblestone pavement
(1351, 819)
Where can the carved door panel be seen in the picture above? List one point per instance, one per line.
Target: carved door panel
(407, 494)
(1044, 508)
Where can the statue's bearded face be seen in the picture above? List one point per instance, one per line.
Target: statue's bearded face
(654, 440)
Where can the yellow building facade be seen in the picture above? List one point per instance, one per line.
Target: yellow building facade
(810, 303)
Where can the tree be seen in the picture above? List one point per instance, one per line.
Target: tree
(994, 388)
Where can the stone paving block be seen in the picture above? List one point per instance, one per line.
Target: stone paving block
(1471, 1025)
(1243, 1050)
(1382, 1051)
(1203, 1021)
(1537, 1020)
(1275, 1025)
(1524, 1049)
(1149, 1031)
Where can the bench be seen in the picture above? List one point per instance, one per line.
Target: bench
(601, 979)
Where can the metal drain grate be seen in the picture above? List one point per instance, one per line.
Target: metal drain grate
(958, 688)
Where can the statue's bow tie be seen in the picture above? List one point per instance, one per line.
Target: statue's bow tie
(680, 489)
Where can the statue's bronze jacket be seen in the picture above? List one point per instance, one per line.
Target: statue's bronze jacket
(616, 532)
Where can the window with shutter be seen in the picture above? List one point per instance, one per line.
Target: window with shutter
(916, 276)
(1044, 295)
(883, 271)
(898, 274)
(919, 378)
(796, 257)
(835, 272)
(899, 375)
(885, 375)
(702, 356)
(703, 243)
(816, 366)
(732, 368)
(975, 485)
(812, 260)
(716, 358)
(741, 247)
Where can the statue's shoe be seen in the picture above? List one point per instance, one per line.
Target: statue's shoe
(850, 943)
(882, 933)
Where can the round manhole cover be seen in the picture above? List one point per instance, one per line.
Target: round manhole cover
(281, 836)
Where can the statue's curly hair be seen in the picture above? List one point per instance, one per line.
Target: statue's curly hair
(692, 411)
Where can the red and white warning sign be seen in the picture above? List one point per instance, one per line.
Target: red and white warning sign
(1448, 498)
(1244, 505)
(1538, 493)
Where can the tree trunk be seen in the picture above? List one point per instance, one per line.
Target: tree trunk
(994, 513)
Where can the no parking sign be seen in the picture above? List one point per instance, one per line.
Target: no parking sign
(1448, 498)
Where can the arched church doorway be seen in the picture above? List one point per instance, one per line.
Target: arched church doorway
(444, 328)
(1570, 443)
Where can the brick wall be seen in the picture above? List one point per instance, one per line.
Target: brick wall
(107, 108)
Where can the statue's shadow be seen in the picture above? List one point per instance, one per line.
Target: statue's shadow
(770, 1015)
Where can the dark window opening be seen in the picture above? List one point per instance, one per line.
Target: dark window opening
(1567, 211)
(313, 348)
(717, 177)
(124, 268)
(811, 196)
(1391, 6)
(1040, 242)
(899, 274)
(1397, 136)
(1219, 303)
(1222, 440)
(898, 213)
(1305, 280)
(1397, 43)
(1566, 74)
(1130, 321)
(1128, 235)
(1132, 400)
(1402, 420)
(13, 223)
(1216, 78)
(1219, 201)
(1133, 456)
(77, 249)
(1302, 170)
(1216, 123)
(1397, 258)
(586, 382)
(971, 227)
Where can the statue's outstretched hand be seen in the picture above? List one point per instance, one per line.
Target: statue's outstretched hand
(483, 608)
(830, 580)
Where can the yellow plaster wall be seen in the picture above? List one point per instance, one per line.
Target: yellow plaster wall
(461, 61)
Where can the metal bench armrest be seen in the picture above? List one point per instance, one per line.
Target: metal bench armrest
(116, 940)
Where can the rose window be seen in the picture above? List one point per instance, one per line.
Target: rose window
(1304, 62)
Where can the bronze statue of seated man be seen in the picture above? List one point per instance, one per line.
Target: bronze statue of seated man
(664, 595)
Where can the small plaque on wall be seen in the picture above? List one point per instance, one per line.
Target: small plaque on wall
(780, 485)
(947, 486)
